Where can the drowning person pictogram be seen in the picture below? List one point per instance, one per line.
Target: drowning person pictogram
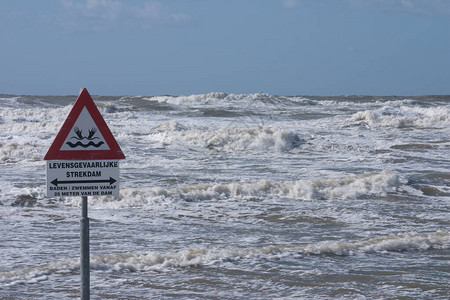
(84, 141)
(84, 135)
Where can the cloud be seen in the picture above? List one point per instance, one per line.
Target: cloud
(421, 7)
(290, 3)
(102, 9)
(101, 15)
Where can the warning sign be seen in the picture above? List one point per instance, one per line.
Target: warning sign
(67, 178)
(84, 134)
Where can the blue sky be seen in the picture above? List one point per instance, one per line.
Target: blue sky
(183, 47)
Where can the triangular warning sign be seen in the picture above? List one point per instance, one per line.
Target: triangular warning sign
(84, 135)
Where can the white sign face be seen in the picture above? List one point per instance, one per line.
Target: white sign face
(85, 135)
(70, 178)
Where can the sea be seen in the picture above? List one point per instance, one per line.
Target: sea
(236, 196)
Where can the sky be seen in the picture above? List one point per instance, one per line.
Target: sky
(185, 47)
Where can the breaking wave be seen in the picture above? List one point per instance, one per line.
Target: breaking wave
(348, 187)
(188, 257)
(156, 261)
(228, 139)
(401, 117)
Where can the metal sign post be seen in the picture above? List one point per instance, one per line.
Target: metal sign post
(84, 258)
(83, 161)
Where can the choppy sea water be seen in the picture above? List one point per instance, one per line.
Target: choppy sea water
(228, 196)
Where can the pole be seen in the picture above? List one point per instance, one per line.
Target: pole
(84, 258)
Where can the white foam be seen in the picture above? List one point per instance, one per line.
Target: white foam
(12, 195)
(33, 120)
(20, 152)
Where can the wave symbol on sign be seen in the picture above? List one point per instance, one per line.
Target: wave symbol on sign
(85, 141)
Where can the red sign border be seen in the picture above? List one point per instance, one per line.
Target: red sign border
(84, 100)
